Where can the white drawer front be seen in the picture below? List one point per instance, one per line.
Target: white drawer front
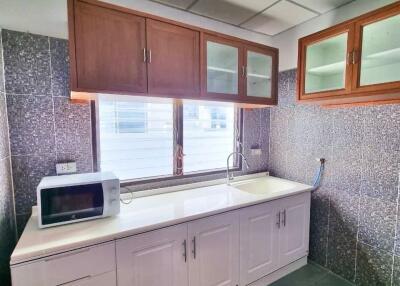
(105, 279)
(66, 267)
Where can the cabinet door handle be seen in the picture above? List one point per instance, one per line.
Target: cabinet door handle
(194, 247)
(149, 56)
(144, 55)
(354, 57)
(284, 218)
(348, 57)
(184, 250)
(243, 71)
(278, 223)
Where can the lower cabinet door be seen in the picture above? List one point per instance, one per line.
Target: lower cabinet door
(295, 224)
(214, 251)
(259, 241)
(154, 258)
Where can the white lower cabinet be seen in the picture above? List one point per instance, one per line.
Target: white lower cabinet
(78, 267)
(229, 249)
(214, 250)
(154, 258)
(273, 235)
(259, 234)
(294, 231)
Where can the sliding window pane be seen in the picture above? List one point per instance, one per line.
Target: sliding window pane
(208, 136)
(135, 137)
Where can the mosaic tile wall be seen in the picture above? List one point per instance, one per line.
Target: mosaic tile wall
(7, 214)
(45, 128)
(355, 220)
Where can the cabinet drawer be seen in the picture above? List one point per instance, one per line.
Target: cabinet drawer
(105, 279)
(66, 267)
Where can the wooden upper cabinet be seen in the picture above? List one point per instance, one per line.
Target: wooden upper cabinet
(353, 62)
(117, 50)
(239, 72)
(173, 59)
(107, 49)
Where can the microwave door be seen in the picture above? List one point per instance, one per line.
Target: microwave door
(70, 203)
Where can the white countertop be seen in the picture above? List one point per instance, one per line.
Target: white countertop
(141, 215)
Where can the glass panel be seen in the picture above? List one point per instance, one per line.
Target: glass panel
(326, 64)
(222, 68)
(380, 60)
(70, 203)
(259, 68)
(208, 136)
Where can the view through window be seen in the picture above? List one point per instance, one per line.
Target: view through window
(142, 140)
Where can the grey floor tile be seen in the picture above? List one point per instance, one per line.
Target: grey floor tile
(306, 275)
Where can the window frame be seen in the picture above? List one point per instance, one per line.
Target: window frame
(177, 142)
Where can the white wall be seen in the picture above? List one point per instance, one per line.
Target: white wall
(49, 18)
(287, 41)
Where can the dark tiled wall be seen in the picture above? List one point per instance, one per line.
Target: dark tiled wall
(7, 213)
(44, 126)
(354, 215)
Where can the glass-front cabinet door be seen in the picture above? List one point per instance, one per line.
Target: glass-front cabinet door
(222, 67)
(377, 52)
(326, 63)
(258, 74)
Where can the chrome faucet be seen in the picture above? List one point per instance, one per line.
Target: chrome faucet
(229, 176)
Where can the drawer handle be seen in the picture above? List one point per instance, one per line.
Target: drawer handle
(73, 281)
(66, 255)
(278, 222)
(184, 250)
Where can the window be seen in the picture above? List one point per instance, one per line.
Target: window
(141, 140)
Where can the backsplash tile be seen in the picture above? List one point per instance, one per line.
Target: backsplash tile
(26, 63)
(7, 211)
(27, 173)
(360, 145)
(377, 223)
(396, 271)
(4, 138)
(319, 215)
(374, 266)
(31, 121)
(59, 67)
(73, 127)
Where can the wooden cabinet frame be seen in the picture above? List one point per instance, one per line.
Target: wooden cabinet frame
(200, 93)
(353, 93)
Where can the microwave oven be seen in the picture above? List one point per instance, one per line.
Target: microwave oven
(78, 197)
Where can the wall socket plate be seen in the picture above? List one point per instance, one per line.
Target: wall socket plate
(66, 168)
(256, 152)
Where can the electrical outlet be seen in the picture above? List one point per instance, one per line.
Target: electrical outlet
(66, 168)
(256, 152)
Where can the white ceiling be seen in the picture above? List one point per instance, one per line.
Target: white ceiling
(265, 17)
(269, 17)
